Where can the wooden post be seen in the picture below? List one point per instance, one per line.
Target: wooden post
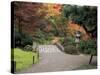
(13, 66)
(91, 59)
(38, 55)
(33, 59)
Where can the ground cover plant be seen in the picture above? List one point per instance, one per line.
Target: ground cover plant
(24, 59)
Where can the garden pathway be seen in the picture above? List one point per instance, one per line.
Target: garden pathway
(52, 59)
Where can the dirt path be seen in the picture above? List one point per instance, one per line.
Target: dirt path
(57, 61)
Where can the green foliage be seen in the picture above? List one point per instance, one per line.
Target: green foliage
(67, 41)
(61, 40)
(22, 40)
(59, 25)
(69, 45)
(69, 11)
(88, 47)
(42, 37)
(83, 15)
(28, 48)
(26, 40)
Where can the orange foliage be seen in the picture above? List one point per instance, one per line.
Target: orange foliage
(72, 27)
(32, 14)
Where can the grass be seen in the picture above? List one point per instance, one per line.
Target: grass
(24, 59)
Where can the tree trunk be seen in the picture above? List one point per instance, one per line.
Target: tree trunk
(91, 59)
(20, 29)
(19, 26)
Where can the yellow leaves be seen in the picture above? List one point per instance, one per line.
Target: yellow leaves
(51, 10)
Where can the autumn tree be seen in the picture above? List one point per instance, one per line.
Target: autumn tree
(54, 17)
(27, 19)
(27, 15)
(85, 16)
(60, 25)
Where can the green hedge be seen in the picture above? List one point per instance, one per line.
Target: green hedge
(22, 39)
(88, 47)
(65, 41)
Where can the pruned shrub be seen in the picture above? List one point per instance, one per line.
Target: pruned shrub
(28, 48)
(70, 50)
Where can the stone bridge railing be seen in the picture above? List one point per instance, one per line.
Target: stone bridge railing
(59, 46)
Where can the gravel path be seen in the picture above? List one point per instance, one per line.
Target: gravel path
(56, 60)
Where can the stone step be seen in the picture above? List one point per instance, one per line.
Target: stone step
(48, 49)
